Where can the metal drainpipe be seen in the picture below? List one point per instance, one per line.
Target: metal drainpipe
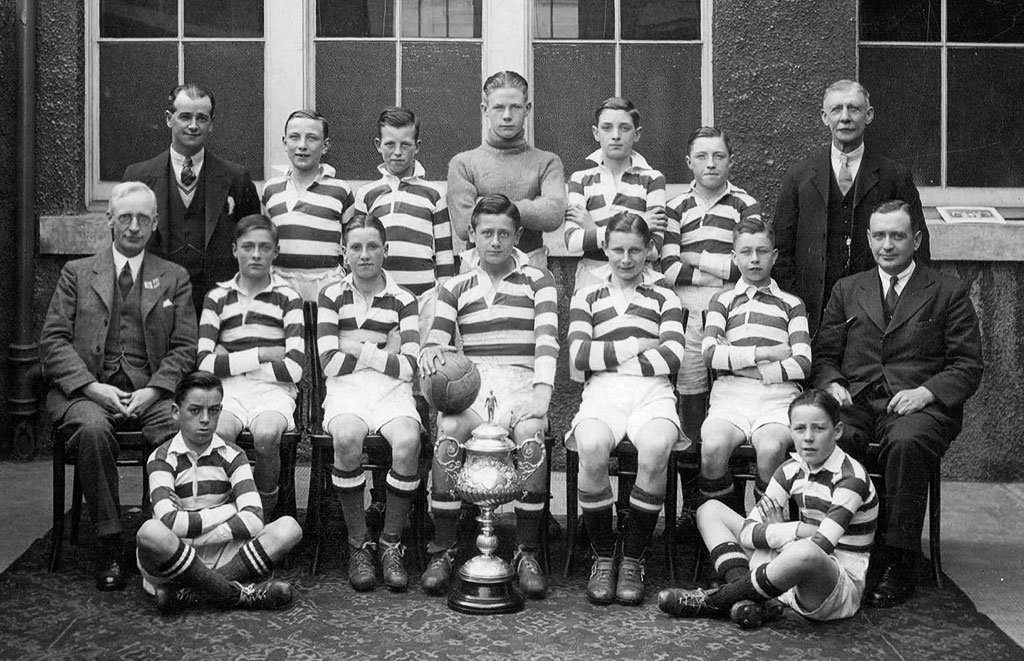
(24, 375)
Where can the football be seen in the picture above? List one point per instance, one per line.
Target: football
(454, 386)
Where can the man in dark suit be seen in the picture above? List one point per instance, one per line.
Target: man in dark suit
(199, 196)
(899, 348)
(821, 215)
(119, 334)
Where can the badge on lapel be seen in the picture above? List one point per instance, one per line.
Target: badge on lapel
(231, 205)
(151, 284)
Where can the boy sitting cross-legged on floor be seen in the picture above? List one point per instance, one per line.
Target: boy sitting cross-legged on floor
(206, 540)
(815, 565)
(505, 311)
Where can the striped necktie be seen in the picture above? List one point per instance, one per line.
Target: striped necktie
(188, 176)
(844, 176)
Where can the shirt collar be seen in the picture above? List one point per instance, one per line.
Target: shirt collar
(324, 172)
(647, 277)
(179, 159)
(852, 156)
(636, 161)
(418, 172)
(471, 258)
(833, 464)
(178, 446)
(730, 189)
(391, 288)
(741, 287)
(902, 277)
(276, 282)
(135, 263)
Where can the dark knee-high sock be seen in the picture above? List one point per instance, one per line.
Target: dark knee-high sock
(644, 508)
(400, 490)
(755, 586)
(597, 517)
(349, 485)
(529, 517)
(730, 561)
(445, 509)
(250, 563)
(718, 488)
(269, 500)
(186, 568)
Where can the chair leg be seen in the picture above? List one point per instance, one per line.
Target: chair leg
(572, 467)
(545, 545)
(76, 506)
(286, 482)
(670, 518)
(935, 523)
(57, 534)
(313, 509)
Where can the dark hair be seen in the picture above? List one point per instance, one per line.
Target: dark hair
(308, 114)
(366, 221)
(192, 91)
(709, 132)
(892, 206)
(496, 204)
(753, 226)
(196, 381)
(627, 221)
(252, 222)
(820, 399)
(397, 118)
(618, 103)
(504, 79)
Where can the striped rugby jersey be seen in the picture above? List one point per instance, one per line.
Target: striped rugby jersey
(342, 309)
(308, 222)
(604, 329)
(415, 214)
(515, 323)
(241, 325)
(747, 318)
(641, 188)
(839, 498)
(218, 496)
(703, 232)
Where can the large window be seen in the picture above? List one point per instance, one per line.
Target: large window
(945, 78)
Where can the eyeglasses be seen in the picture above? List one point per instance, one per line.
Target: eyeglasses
(125, 220)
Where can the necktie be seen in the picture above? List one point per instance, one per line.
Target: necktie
(844, 178)
(124, 281)
(891, 298)
(188, 177)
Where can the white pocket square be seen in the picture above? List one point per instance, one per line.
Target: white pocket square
(167, 303)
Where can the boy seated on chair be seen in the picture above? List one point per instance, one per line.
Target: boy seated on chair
(505, 311)
(206, 542)
(756, 339)
(251, 335)
(368, 340)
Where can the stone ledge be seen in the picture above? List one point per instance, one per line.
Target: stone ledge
(82, 234)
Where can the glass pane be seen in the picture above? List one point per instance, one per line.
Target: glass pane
(442, 18)
(574, 19)
(131, 121)
(355, 18)
(906, 20)
(126, 19)
(668, 95)
(570, 80)
(224, 18)
(233, 72)
(657, 19)
(441, 84)
(985, 116)
(985, 21)
(354, 82)
(905, 87)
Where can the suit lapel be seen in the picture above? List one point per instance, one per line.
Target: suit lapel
(869, 296)
(218, 183)
(161, 174)
(917, 292)
(103, 277)
(867, 176)
(152, 288)
(822, 174)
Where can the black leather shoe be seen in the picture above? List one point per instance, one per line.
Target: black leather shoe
(109, 576)
(894, 588)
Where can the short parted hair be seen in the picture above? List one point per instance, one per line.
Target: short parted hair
(504, 79)
(845, 84)
(126, 188)
(366, 221)
(196, 381)
(627, 221)
(192, 91)
(255, 221)
(892, 206)
(305, 113)
(618, 103)
(709, 132)
(819, 398)
(397, 118)
(753, 226)
(496, 204)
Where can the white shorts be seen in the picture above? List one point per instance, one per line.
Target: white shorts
(374, 398)
(843, 602)
(512, 386)
(309, 282)
(211, 555)
(626, 403)
(749, 404)
(246, 398)
(693, 373)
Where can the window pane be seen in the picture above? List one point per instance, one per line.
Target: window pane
(128, 19)
(354, 81)
(906, 20)
(441, 84)
(442, 18)
(131, 121)
(233, 72)
(668, 96)
(657, 19)
(570, 80)
(985, 116)
(224, 18)
(905, 87)
(574, 19)
(985, 21)
(355, 18)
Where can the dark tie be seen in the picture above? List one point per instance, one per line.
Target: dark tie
(188, 177)
(124, 281)
(891, 298)
(844, 177)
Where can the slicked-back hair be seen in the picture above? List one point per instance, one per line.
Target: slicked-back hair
(629, 222)
(845, 84)
(709, 132)
(892, 206)
(126, 188)
(504, 79)
(397, 118)
(753, 226)
(305, 113)
(496, 204)
(193, 91)
(196, 381)
(366, 221)
(255, 221)
(618, 103)
(820, 399)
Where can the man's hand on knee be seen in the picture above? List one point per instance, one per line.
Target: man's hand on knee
(111, 399)
(910, 401)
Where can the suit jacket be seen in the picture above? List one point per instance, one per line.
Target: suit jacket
(801, 217)
(931, 341)
(71, 344)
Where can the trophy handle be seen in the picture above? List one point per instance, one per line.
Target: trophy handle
(530, 456)
(448, 455)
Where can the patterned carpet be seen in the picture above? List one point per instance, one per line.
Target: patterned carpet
(61, 616)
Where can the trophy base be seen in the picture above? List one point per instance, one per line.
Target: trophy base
(485, 587)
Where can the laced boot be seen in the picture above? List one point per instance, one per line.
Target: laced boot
(678, 602)
(392, 565)
(362, 575)
(171, 599)
(438, 575)
(629, 590)
(269, 595)
(531, 577)
(601, 586)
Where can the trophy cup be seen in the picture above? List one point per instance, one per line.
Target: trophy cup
(487, 476)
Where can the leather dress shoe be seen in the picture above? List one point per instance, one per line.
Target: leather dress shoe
(894, 588)
(109, 576)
